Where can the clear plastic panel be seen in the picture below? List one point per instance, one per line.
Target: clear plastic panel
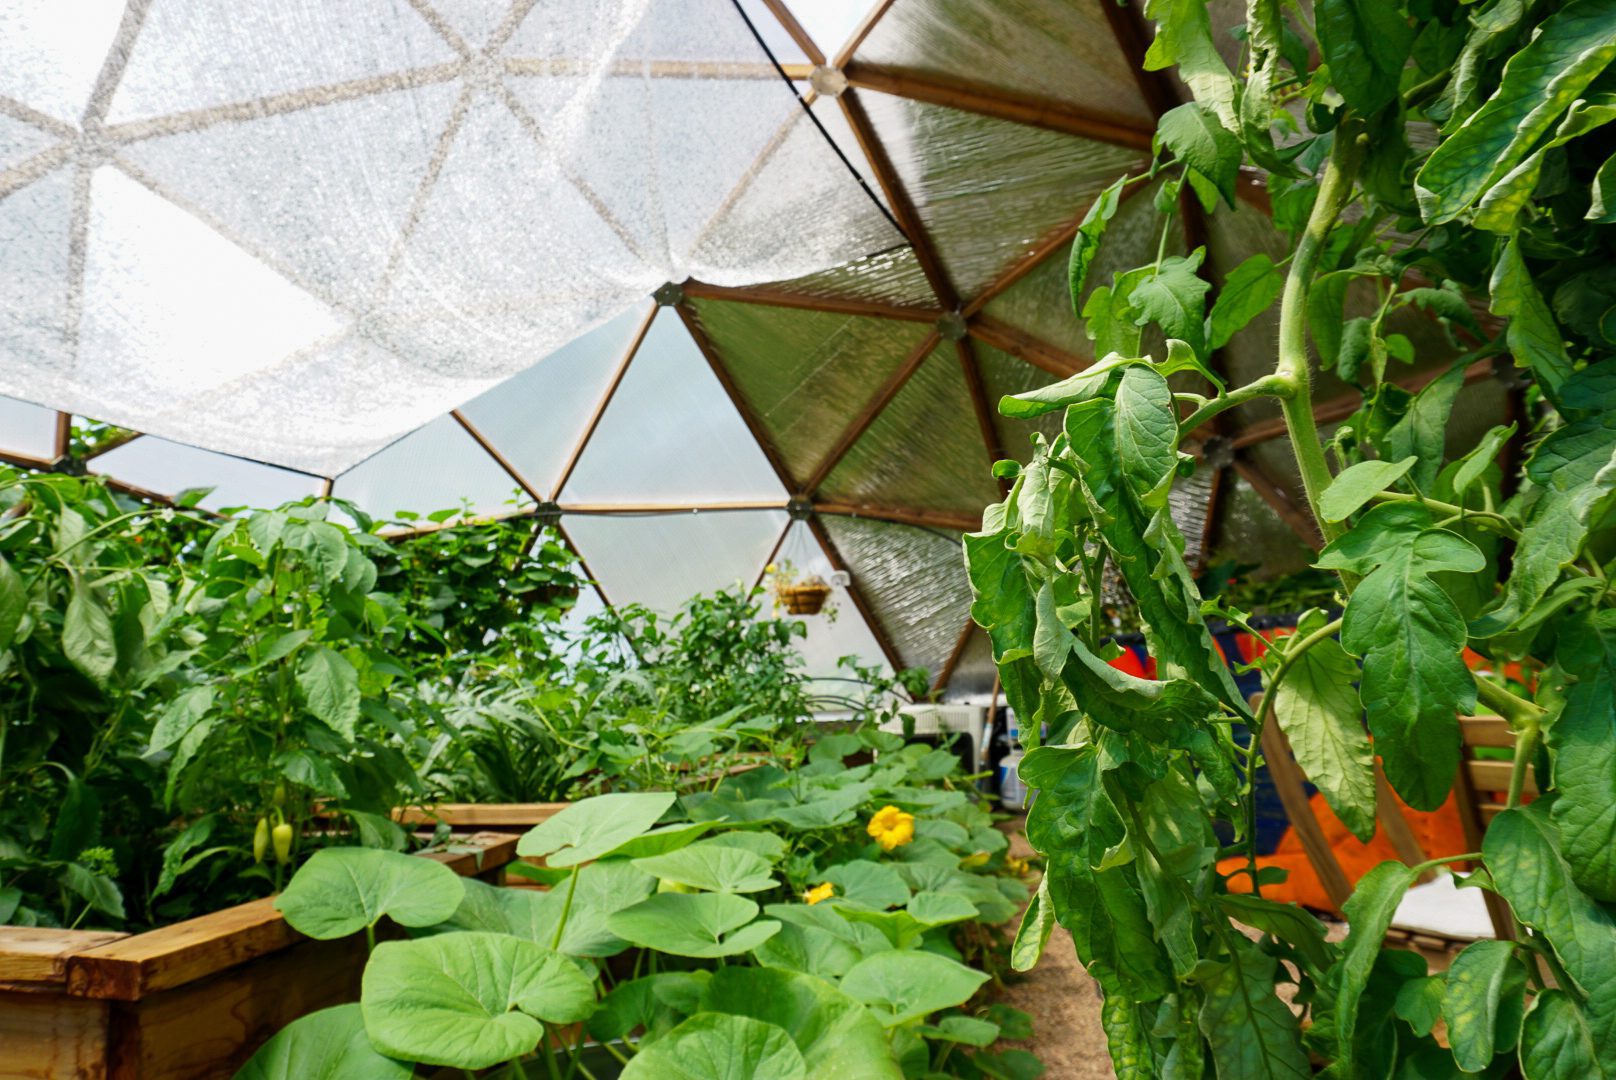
(34, 241)
(805, 374)
(169, 468)
(975, 673)
(890, 277)
(829, 638)
(27, 429)
(914, 579)
(1053, 49)
(20, 141)
(987, 190)
(197, 54)
(439, 467)
(51, 52)
(924, 451)
(536, 417)
(831, 23)
(264, 183)
(671, 434)
(661, 560)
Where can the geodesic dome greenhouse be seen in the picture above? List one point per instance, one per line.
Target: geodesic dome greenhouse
(704, 283)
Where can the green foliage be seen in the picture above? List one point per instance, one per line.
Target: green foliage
(1504, 210)
(342, 890)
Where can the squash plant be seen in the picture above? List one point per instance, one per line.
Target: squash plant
(1428, 158)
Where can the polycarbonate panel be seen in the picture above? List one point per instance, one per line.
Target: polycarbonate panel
(914, 579)
(27, 429)
(51, 52)
(1250, 534)
(536, 417)
(20, 141)
(169, 468)
(975, 673)
(258, 183)
(439, 467)
(661, 560)
(830, 23)
(829, 638)
(1041, 304)
(1053, 49)
(805, 374)
(195, 54)
(887, 277)
(34, 241)
(987, 190)
(1002, 376)
(924, 449)
(671, 433)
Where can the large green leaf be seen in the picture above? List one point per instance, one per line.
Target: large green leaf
(836, 1035)
(713, 1046)
(1251, 1031)
(343, 890)
(1366, 43)
(182, 714)
(701, 924)
(1037, 923)
(1534, 337)
(327, 1045)
(1197, 139)
(1369, 913)
(1539, 83)
(1483, 1004)
(602, 888)
(1289, 923)
(1411, 635)
(1247, 292)
(868, 884)
(1184, 39)
(1320, 715)
(714, 867)
(1173, 297)
(1583, 738)
(658, 1003)
(1086, 244)
(13, 603)
(470, 1000)
(593, 827)
(330, 688)
(1420, 436)
(88, 640)
(1558, 1044)
(908, 985)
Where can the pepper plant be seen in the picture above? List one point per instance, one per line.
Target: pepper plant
(1428, 159)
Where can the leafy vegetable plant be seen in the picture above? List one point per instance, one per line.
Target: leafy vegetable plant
(1443, 175)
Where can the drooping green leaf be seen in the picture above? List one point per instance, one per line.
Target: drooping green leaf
(1173, 297)
(656, 1002)
(343, 890)
(88, 640)
(1356, 485)
(1557, 1042)
(469, 1000)
(1320, 715)
(1184, 40)
(1483, 1004)
(1421, 433)
(1247, 292)
(1369, 912)
(330, 688)
(901, 986)
(835, 1034)
(1194, 136)
(1602, 207)
(713, 1046)
(1583, 738)
(1252, 1032)
(601, 889)
(594, 827)
(1534, 337)
(1475, 464)
(1366, 45)
(181, 715)
(327, 1045)
(716, 868)
(965, 1030)
(13, 603)
(1539, 83)
(1037, 923)
(1084, 386)
(1411, 635)
(1419, 1002)
(1287, 922)
(1086, 244)
(701, 924)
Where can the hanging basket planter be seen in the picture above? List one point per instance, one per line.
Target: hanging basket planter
(804, 598)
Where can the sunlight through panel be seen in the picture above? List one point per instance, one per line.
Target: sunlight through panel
(27, 429)
(169, 468)
(439, 467)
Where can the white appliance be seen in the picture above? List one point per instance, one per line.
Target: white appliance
(968, 720)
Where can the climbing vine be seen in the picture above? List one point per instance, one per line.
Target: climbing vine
(1432, 164)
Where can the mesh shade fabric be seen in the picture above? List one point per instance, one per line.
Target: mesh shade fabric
(297, 231)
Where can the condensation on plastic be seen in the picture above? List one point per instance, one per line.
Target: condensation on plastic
(671, 433)
(302, 208)
(1041, 304)
(437, 467)
(1002, 376)
(662, 560)
(989, 191)
(169, 468)
(805, 374)
(27, 429)
(890, 277)
(536, 417)
(915, 581)
(1053, 49)
(923, 450)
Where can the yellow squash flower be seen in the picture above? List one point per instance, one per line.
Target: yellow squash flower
(820, 892)
(892, 827)
(1015, 865)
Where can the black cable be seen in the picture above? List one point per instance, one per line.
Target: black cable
(879, 205)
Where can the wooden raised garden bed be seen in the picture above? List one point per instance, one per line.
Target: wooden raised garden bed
(190, 1001)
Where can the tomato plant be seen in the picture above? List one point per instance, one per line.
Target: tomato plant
(1426, 158)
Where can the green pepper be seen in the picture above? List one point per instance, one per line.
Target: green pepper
(283, 842)
(260, 840)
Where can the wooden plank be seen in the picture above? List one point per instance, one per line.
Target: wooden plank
(50, 1036)
(1494, 776)
(772, 296)
(481, 815)
(132, 967)
(37, 954)
(1486, 731)
(789, 23)
(856, 591)
(1464, 797)
(875, 14)
(1289, 783)
(1298, 518)
(1019, 343)
(901, 515)
(872, 408)
(600, 406)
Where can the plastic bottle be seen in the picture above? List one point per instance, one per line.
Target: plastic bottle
(1012, 792)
